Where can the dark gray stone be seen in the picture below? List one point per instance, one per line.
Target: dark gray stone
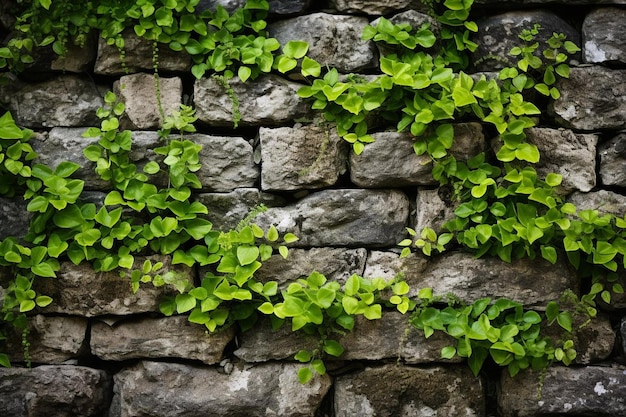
(53, 391)
(63, 101)
(168, 337)
(588, 391)
(268, 101)
(396, 390)
(612, 154)
(498, 34)
(374, 7)
(189, 391)
(302, 157)
(334, 40)
(604, 36)
(14, 219)
(343, 217)
(592, 98)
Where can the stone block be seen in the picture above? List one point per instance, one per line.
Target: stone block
(612, 155)
(167, 337)
(302, 157)
(14, 219)
(374, 7)
(604, 36)
(187, 391)
(396, 390)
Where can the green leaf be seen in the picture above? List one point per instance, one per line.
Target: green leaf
(184, 303)
(448, 352)
(565, 320)
(333, 348)
(247, 254)
(304, 375)
(296, 49)
(43, 301)
(26, 305)
(310, 67)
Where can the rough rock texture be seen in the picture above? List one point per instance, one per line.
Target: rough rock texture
(53, 340)
(590, 391)
(612, 154)
(573, 155)
(606, 202)
(268, 101)
(168, 337)
(343, 217)
(334, 40)
(375, 7)
(592, 98)
(470, 279)
(78, 290)
(278, 7)
(77, 59)
(336, 264)
(226, 210)
(395, 390)
(391, 337)
(389, 265)
(138, 57)
(264, 390)
(66, 100)
(139, 93)
(604, 36)
(50, 390)
(498, 34)
(302, 157)
(390, 160)
(227, 163)
(14, 219)
(432, 210)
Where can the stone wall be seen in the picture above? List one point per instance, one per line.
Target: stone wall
(100, 350)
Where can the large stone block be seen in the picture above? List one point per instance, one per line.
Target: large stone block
(81, 291)
(374, 7)
(604, 36)
(139, 93)
(612, 154)
(498, 34)
(226, 210)
(189, 391)
(53, 340)
(302, 157)
(14, 219)
(343, 217)
(138, 56)
(334, 40)
(268, 101)
(592, 98)
(588, 391)
(53, 390)
(65, 100)
(606, 202)
(396, 390)
(168, 337)
(433, 209)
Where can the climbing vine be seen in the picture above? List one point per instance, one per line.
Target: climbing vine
(503, 207)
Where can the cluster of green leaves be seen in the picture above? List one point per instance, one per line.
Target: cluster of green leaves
(501, 329)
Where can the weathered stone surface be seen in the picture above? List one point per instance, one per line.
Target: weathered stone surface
(391, 337)
(268, 101)
(343, 217)
(302, 157)
(139, 93)
(606, 202)
(498, 34)
(395, 390)
(77, 59)
(138, 57)
(53, 390)
(374, 7)
(592, 98)
(226, 210)
(278, 7)
(53, 340)
(66, 100)
(612, 154)
(14, 219)
(390, 265)
(79, 290)
(589, 391)
(573, 155)
(168, 337)
(372, 169)
(336, 264)
(227, 163)
(186, 391)
(334, 40)
(432, 210)
(604, 36)
(531, 282)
